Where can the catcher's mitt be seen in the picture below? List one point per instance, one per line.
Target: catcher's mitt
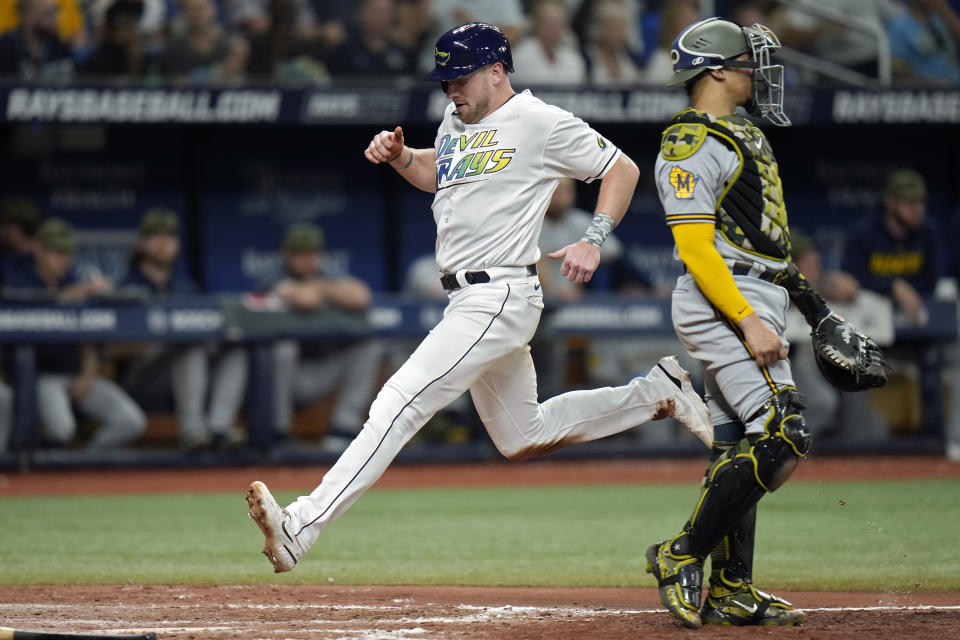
(848, 359)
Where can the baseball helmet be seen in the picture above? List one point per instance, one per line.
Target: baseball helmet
(466, 48)
(714, 43)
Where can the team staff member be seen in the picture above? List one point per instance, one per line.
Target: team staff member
(308, 372)
(898, 254)
(68, 374)
(718, 183)
(497, 158)
(155, 369)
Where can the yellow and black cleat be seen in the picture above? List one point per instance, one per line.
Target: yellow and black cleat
(741, 604)
(680, 581)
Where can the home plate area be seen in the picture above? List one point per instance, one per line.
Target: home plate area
(276, 612)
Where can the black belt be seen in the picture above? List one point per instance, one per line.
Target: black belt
(449, 280)
(744, 270)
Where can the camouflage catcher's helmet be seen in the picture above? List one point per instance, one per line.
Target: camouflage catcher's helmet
(464, 49)
(714, 43)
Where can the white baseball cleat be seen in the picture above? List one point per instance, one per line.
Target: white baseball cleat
(281, 548)
(690, 408)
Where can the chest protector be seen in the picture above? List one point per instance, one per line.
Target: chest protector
(751, 214)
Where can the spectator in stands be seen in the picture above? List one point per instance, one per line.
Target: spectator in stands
(370, 49)
(747, 12)
(205, 52)
(550, 55)
(610, 61)
(446, 14)
(18, 223)
(71, 21)
(287, 40)
(34, 51)
(332, 17)
(119, 52)
(825, 31)
(156, 369)
(674, 17)
(924, 41)
(309, 372)
(152, 25)
(898, 254)
(583, 14)
(69, 374)
(413, 22)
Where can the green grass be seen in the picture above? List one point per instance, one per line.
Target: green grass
(884, 536)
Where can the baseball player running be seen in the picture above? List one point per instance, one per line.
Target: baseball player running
(496, 160)
(717, 178)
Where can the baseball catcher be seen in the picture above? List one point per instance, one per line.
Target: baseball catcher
(719, 184)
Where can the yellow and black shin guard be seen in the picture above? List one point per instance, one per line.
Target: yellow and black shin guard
(739, 477)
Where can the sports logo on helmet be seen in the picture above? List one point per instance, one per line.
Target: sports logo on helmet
(697, 60)
(442, 57)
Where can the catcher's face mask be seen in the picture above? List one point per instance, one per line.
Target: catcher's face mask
(767, 100)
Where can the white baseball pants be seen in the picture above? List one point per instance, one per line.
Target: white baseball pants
(480, 345)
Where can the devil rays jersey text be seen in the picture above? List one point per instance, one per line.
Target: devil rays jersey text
(495, 179)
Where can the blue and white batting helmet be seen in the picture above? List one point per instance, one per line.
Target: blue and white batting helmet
(466, 48)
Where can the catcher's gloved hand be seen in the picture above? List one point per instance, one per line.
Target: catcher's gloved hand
(848, 359)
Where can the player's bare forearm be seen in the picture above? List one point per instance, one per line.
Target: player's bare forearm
(418, 168)
(415, 165)
(617, 187)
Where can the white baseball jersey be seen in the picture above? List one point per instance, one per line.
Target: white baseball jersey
(495, 179)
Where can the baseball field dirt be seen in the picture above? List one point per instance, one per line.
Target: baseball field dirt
(326, 612)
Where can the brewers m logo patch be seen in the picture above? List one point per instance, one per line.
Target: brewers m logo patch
(683, 183)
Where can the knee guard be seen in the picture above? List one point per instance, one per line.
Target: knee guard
(785, 441)
(737, 479)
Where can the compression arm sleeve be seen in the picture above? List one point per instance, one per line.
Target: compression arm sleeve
(703, 261)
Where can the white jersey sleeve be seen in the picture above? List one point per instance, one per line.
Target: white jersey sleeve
(575, 150)
(691, 188)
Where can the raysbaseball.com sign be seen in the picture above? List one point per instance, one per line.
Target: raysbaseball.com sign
(142, 105)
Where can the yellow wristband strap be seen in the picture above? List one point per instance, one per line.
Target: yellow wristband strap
(695, 245)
